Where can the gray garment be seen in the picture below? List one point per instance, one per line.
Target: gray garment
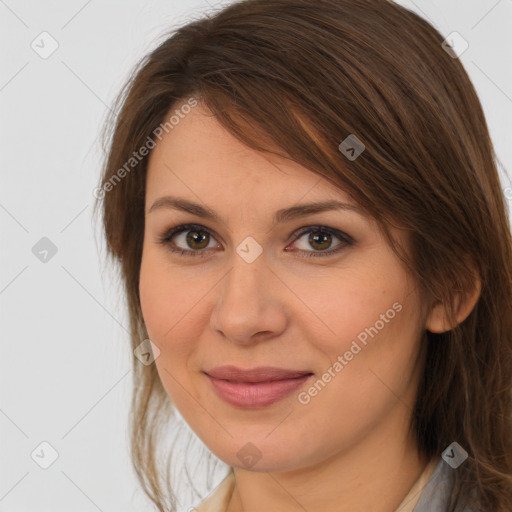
(436, 493)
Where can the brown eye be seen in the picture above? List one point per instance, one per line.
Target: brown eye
(189, 239)
(199, 237)
(321, 239)
(195, 240)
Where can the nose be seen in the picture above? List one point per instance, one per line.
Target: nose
(249, 305)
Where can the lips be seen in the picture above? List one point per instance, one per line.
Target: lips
(256, 387)
(259, 374)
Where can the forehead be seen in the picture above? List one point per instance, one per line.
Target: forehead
(198, 156)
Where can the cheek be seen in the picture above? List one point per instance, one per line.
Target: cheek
(369, 319)
(165, 309)
(152, 298)
(173, 309)
(160, 311)
(378, 353)
(353, 306)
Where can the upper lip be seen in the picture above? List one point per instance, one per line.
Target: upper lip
(258, 374)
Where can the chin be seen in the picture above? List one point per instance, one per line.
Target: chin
(261, 456)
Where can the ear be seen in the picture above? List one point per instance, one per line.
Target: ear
(438, 318)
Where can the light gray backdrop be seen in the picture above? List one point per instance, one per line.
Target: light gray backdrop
(65, 364)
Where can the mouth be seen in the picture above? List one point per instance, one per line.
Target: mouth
(256, 387)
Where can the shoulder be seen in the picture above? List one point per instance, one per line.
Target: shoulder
(436, 493)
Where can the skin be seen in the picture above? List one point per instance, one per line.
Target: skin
(349, 448)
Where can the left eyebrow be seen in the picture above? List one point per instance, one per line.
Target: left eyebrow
(283, 215)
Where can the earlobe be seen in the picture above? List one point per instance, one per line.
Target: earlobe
(438, 320)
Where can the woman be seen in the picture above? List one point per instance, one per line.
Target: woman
(303, 200)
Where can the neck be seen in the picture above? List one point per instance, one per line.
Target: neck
(374, 474)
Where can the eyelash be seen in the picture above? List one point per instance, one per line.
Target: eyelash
(345, 239)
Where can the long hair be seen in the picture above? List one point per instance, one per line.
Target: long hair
(301, 76)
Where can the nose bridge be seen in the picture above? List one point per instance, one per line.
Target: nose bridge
(248, 269)
(246, 305)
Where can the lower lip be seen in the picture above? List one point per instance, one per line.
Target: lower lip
(258, 394)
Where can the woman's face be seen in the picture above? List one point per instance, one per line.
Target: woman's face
(319, 293)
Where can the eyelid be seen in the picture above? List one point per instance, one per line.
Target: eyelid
(326, 229)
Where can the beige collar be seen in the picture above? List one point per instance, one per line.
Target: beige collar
(217, 501)
(414, 494)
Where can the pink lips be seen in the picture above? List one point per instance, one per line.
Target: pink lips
(256, 387)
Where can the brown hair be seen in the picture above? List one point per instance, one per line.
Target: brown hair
(302, 75)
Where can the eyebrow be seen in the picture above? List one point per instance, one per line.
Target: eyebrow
(283, 215)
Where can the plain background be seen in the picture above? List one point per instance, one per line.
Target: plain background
(65, 371)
